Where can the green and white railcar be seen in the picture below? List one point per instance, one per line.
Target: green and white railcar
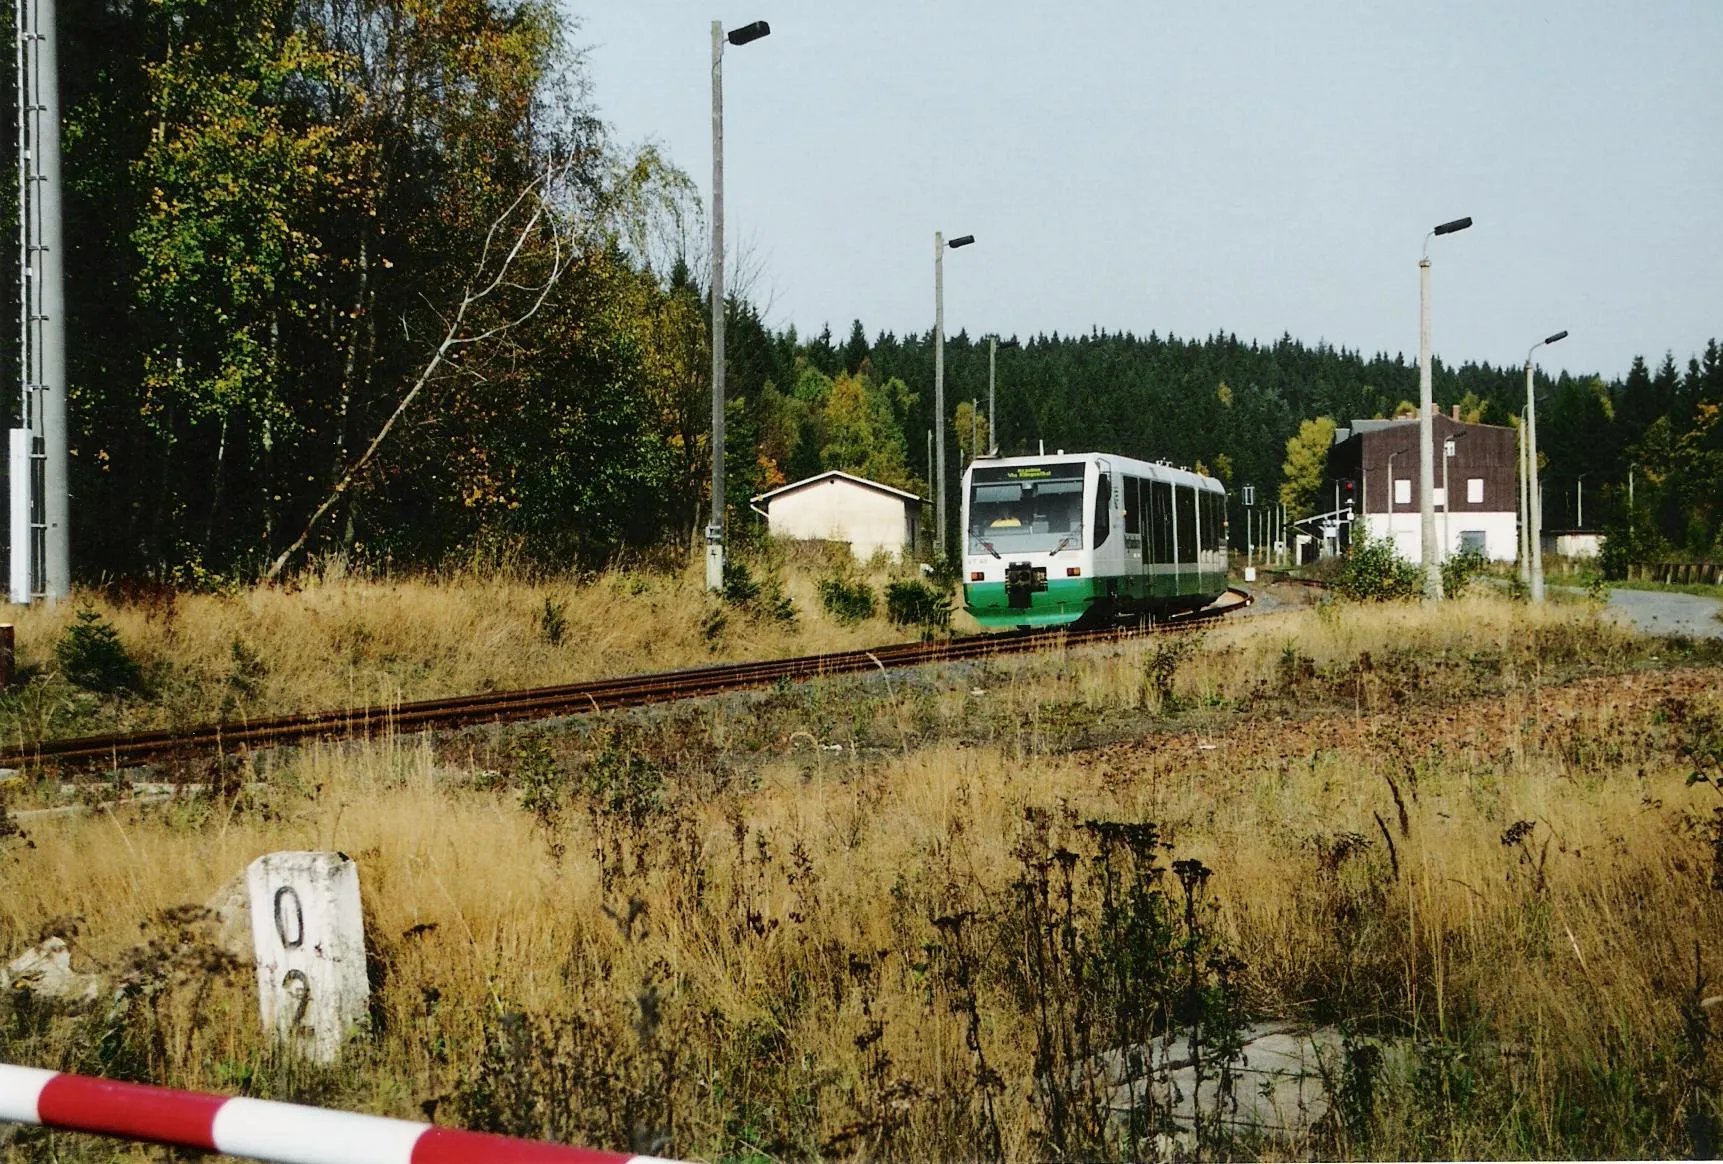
(1088, 537)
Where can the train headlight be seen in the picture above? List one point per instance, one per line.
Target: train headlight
(1073, 571)
(976, 576)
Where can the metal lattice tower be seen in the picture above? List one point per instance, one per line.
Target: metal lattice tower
(40, 559)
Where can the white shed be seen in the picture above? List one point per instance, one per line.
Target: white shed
(839, 507)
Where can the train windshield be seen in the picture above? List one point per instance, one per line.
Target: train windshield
(1026, 509)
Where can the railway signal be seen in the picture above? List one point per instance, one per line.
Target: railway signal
(40, 564)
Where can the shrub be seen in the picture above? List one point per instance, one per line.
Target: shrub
(1459, 570)
(1633, 542)
(763, 598)
(1374, 571)
(91, 655)
(848, 602)
(915, 603)
(739, 586)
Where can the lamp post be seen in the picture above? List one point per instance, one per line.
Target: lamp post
(1579, 490)
(1447, 498)
(1525, 509)
(994, 343)
(939, 247)
(1396, 453)
(715, 530)
(1426, 419)
(1535, 536)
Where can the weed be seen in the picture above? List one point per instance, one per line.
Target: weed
(553, 621)
(1162, 667)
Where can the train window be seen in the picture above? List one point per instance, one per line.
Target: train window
(1103, 507)
(1185, 513)
(1160, 522)
(1026, 508)
(1133, 509)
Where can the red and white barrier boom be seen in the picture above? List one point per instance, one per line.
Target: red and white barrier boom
(259, 1128)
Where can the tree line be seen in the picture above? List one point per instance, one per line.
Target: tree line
(371, 278)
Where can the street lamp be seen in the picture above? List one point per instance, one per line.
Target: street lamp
(1525, 508)
(1536, 507)
(1447, 498)
(994, 343)
(715, 531)
(1396, 453)
(939, 247)
(1426, 418)
(1579, 490)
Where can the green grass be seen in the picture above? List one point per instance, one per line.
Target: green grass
(1582, 580)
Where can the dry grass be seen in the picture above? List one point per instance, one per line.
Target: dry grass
(792, 981)
(335, 640)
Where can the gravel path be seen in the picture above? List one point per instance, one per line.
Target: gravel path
(1658, 612)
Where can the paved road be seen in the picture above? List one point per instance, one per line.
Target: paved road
(1658, 612)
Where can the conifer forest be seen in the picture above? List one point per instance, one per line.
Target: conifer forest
(372, 277)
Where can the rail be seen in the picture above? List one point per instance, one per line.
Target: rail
(131, 749)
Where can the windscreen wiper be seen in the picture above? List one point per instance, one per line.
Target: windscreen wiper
(1065, 542)
(988, 546)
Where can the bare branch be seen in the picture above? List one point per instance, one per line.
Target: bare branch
(540, 192)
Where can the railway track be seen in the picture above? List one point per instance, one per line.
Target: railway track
(132, 749)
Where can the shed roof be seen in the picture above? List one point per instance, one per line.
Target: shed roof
(829, 474)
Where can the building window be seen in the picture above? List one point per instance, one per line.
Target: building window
(1402, 491)
(1439, 497)
(1472, 539)
(1474, 490)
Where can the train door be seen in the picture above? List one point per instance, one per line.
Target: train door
(1131, 488)
(1185, 531)
(1103, 519)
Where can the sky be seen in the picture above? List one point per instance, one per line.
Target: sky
(1248, 168)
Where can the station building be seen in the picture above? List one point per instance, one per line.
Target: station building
(1373, 466)
(840, 507)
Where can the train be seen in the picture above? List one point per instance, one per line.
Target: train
(1087, 538)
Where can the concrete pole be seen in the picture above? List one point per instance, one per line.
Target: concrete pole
(1535, 535)
(1427, 442)
(715, 530)
(1447, 503)
(992, 415)
(939, 387)
(1525, 509)
(1364, 493)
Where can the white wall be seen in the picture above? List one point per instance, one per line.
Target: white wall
(1500, 529)
(1576, 545)
(842, 511)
